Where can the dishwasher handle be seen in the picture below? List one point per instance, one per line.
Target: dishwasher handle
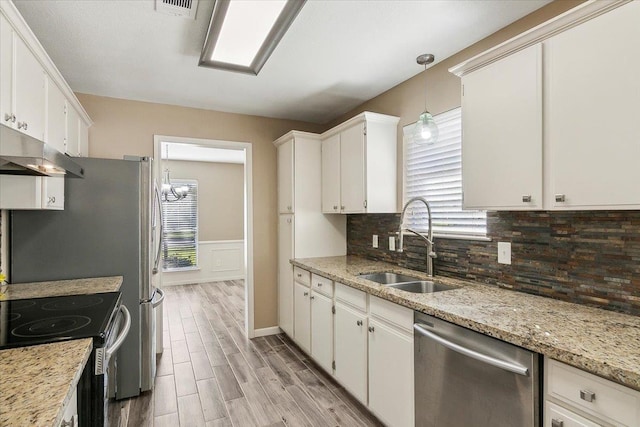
(507, 366)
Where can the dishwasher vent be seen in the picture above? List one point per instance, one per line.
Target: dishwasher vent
(186, 8)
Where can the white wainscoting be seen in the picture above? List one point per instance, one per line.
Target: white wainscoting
(217, 260)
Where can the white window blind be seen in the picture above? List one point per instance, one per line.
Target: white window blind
(180, 229)
(435, 173)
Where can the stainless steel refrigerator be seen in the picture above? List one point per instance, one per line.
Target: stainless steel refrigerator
(107, 228)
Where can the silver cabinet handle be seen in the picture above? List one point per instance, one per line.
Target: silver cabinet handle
(313, 297)
(342, 207)
(359, 322)
(560, 198)
(52, 200)
(122, 335)
(305, 294)
(289, 208)
(335, 207)
(22, 125)
(489, 360)
(526, 198)
(10, 118)
(371, 329)
(299, 274)
(557, 423)
(319, 284)
(587, 395)
(70, 423)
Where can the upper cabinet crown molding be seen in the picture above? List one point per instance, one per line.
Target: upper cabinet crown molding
(571, 18)
(11, 13)
(293, 135)
(367, 116)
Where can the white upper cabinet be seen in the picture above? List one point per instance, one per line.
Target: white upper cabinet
(73, 132)
(31, 193)
(6, 65)
(550, 117)
(592, 113)
(56, 133)
(359, 171)
(502, 128)
(285, 177)
(331, 174)
(29, 82)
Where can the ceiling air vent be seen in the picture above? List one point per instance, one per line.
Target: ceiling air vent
(186, 8)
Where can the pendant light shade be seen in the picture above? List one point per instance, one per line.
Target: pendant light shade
(426, 129)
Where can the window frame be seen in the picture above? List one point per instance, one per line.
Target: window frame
(406, 140)
(196, 266)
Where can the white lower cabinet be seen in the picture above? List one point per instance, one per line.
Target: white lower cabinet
(31, 192)
(351, 350)
(322, 330)
(302, 315)
(577, 398)
(285, 274)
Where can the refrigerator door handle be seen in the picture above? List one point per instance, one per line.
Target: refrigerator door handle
(154, 304)
(156, 262)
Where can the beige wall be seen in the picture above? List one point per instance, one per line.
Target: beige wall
(127, 127)
(443, 89)
(220, 197)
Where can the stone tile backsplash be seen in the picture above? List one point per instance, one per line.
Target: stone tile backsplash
(586, 257)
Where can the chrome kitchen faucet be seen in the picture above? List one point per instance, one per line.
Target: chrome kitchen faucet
(429, 239)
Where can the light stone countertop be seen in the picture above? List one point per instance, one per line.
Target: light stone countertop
(93, 285)
(602, 342)
(37, 382)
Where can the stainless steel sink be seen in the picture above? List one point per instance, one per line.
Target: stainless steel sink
(386, 278)
(422, 287)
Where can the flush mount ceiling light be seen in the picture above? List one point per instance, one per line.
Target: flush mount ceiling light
(243, 33)
(426, 130)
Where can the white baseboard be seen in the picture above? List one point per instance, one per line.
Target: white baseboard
(273, 330)
(205, 280)
(217, 261)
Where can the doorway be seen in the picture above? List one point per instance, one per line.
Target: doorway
(219, 245)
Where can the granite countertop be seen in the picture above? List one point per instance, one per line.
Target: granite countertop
(602, 342)
(38, 381)
(93, 285)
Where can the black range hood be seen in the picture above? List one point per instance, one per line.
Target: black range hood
(22, 154)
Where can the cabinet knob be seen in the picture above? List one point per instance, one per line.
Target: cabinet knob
(560, 197)
(313, 297)
(371, 329)
(319, 284)
(22, 125)
(557, 423)
(335, 207)
(526, 198)
(299, 274)
(359, 322)
(288, 220)
(342, 207)
(52, 199)
(587, 395)
(289, 208)
(10, 118)
(306, 294)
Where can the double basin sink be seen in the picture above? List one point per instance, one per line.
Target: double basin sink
(406, 283)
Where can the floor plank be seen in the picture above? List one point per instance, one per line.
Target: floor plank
(211, 375)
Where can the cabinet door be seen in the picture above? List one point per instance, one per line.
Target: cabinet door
(302, 316)
(6, 65)
(56, 117)
(391, 375)
(502, 133)
(591, 112)
(29, 81)
(285, 274)
(285, 177)
(558, 416)
(322, 330)
(53, 193)
(331, 174)
(84, 140)
(352, 169)
(351, 351)
(73, 132)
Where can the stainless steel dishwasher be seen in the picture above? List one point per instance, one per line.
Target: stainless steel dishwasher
(464, 378)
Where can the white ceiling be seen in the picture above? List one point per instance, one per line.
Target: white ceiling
(336, 55)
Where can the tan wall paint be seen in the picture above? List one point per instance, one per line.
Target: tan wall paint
(127, 127)
(443, 89)
(220, 197)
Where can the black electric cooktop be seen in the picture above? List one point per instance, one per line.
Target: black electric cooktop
(43, 320)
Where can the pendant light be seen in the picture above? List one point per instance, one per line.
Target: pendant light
(171, 193)
(426, 130)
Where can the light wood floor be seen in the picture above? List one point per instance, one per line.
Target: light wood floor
(210, 374)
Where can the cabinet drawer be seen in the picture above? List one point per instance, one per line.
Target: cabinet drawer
(389, 312)
(354, 297)
(301, 276)
(322, 285)
(557, 416)
(609, 401)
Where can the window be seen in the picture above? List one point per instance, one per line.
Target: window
(435, 173)
(180, 229)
